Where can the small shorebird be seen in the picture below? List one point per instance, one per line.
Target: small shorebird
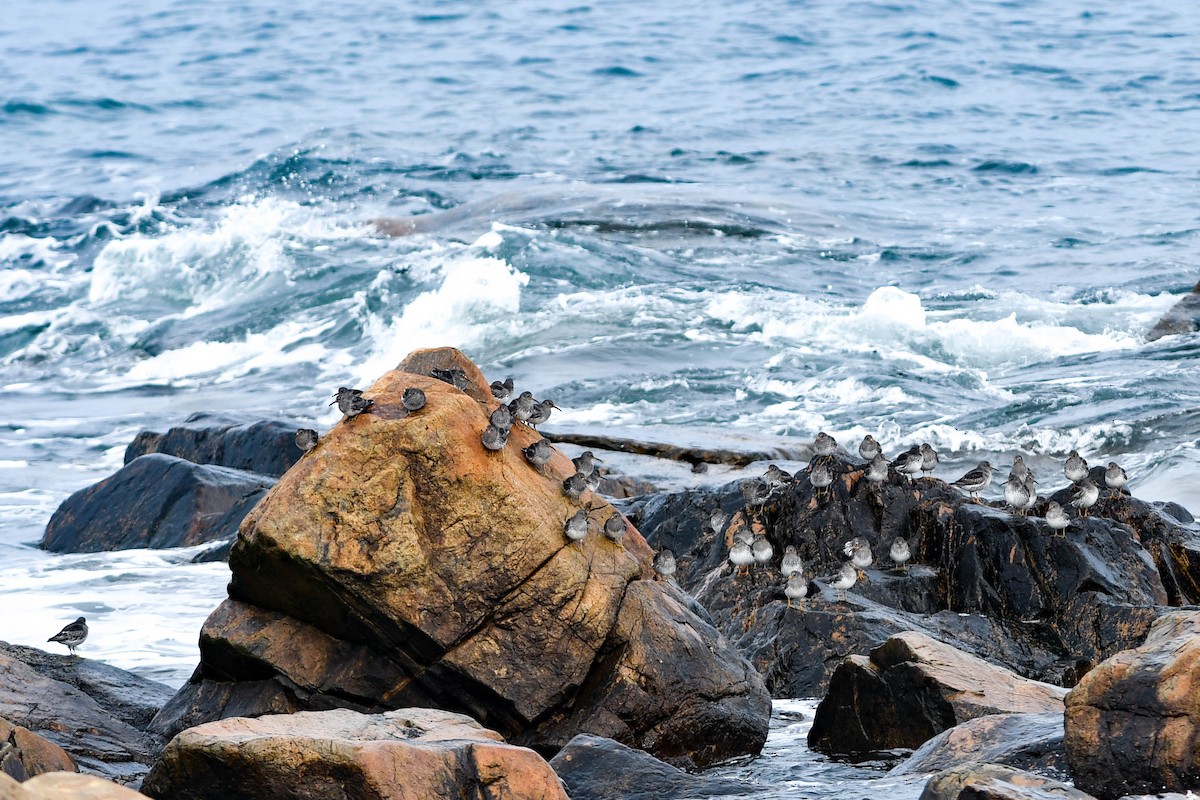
(1018, 468)
(755, 493)
(859, 552)
(540, 413)
(592, 481)
(344, 396)
(538, 454)
(576, 527)
(877, 470)
(900, 552)
(357, 405)
(791, 563)
(929, 459)
(72, 635)
(522, 406)
(717, 520)
(502, 390)
(869, 448)
(844, 580)
(1031, 491)
(909, 462)
(1056, 518)
(1016, 494)
(762, 550)
(740, 555)
(614, 527)
(1084, 495)
(796, 589)
(976, 480)
(1115, 478)
(494, 438)
(585, 462)
(664, 565)
(455, 376)
(744, 536)
(573, 486)
(820, 478)
(776, 478)
(413, 399)
(502, 418)
(306, 439)
(824, 445)
(1075, 468)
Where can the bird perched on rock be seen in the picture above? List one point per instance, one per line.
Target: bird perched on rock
(614, 527)
(455, 376)
(576, 527)
(755, 492)
(72, 635)
(929, 458)
(776, 478)
(1018, 468)
(585, 462)
(1115, 478)
(717, 520)
(1084, 495)
(494, 438)
(976, 480)
(1016, 494)
(820, 477)
(900, 552)
(664, 565)
(522, 406)
(761, 549)
(358, 405)
(824, 445)
(539, 453)
(1056, 518)
(343, 397)
(502, 390)
(413, 399)
(845, 579)
(869, 448)
(858, 550)
(877, 470)
(796, 588)
(741, 555)
(540, 413)
(1075, 468)
(502, 418)
(592, 481)
(909, 462)
(1030, 491)
(306, 439)
(573, 486)
(791, 563)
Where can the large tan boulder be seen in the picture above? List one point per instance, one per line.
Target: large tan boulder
(913, 687)
(1133, 722)
(413, 754)
(403, 564)
(64, 786)
(24, 754)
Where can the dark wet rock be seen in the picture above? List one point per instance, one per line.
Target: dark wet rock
(976, 781)
(614, 484)
(218, 551)
(265, 447)
(155, 501)
(95, 712)
(351, 589)
(912, 688)
(596, 768)
(1183, 317)
(24, 754)
(1133, 723)
(1025, 741)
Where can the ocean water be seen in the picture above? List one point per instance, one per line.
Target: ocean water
(723, 224)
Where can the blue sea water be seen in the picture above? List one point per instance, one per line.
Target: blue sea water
(715, 223)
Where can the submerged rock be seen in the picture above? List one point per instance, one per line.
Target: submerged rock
(912, 688)
(975, 781)
(402, 564)
(410, 753)
(264, 447)
(1133, 723)
(1183, 317)
(155, 501)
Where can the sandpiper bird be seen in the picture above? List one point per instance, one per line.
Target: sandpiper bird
(413, 399)
(576, 527)
(755, 493)
(741, 556)
(522, 406)
(717, 520)
(976, 480)
(540, 413)
(585, 462)
(858, 550)
(72, 635)
(824, 445)
(745, 536)
(538, 453)
(1076, 468)
(776, 478)
(761, 549)
(1056, 518)
(1115, 478)
(455, 376)
(614, 527)
(502, 390)
(1084, 495)
(869, 448)
(796, 589)
(358, 404)
(1031, 490)
(592, 481)
(306, 439)
(877, 471)
(573, 486)
(502, 418)
(910, 461)
(1018, 468)
(929, 458)
(343, 397)
(820, 477)
(845, 579)
(1016, 494)
(900, 553)
(664, 565)
(791, 563)
(494, 438)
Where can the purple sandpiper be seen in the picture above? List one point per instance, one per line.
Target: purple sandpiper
(72, 635)
(1075, 468)
(929, 458)
(502, 390)
(900, 552)
(1084, 495)
(1056, 518)
(869, 448)
(796, 588)
(976, 480)
(413, 399)
(1115, 478)
(539, 453)
(824, 445)
(664, 565)
(585, 462)
(844, 581)
(455, 376)
(761, 549)
(306, 439)
(577, 526)
(741, 556)
(502, 418)
(909, 462)
(522, 406)
(791, 563)
(494, 438)
(1016, 494)
(540, 413)
(614, 527)
(573, 486)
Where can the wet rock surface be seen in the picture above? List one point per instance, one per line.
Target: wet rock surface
(1133, 723)
(24, 754)
(996, 782)
(1183, 317)
(402, 564)
(264, 447)
(402, 754)
(155, 501)
(1024, 741)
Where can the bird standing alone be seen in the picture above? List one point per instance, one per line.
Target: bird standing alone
(72, 635)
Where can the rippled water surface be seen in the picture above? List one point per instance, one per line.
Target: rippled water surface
(732, 224)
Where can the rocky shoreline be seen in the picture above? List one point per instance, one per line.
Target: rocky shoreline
(406, 619)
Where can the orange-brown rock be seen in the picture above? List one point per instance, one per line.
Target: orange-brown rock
(64, 786)
(411, 754)
(913, 687)
(24, 754)
(1133, 722)
(402, 564)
